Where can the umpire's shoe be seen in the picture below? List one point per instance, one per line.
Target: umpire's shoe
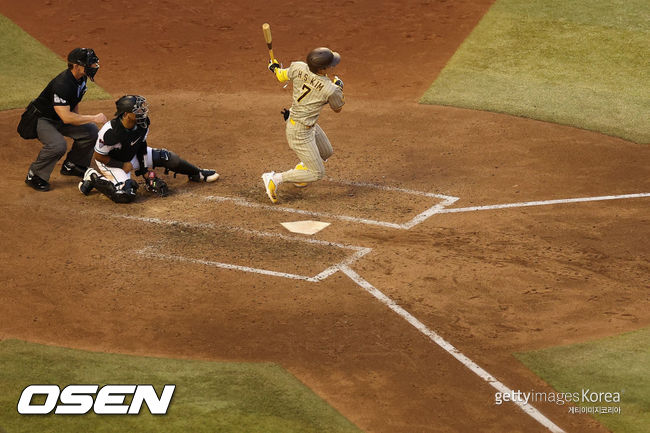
(87, 184)
(205, 176)
(36, 182)
(71, 169)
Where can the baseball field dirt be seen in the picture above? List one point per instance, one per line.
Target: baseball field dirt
(82, 272)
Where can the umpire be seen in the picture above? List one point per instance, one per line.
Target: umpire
(58, 110)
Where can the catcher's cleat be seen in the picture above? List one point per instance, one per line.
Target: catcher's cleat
(205, 176)
(301, 166)
(267, 178)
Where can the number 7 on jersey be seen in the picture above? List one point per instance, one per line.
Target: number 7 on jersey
(306, 89)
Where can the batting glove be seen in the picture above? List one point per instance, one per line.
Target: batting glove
(273, 65)
(338, 82)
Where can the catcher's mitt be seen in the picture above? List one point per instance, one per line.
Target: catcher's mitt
(155, 185)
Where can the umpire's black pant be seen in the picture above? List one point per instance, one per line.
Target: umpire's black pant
(51, 133)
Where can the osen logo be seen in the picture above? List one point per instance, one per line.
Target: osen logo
(81, 399)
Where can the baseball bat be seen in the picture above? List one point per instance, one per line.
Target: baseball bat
(266, 29)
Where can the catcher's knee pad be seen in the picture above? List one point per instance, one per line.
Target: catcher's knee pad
(164, 158)
(173, 162)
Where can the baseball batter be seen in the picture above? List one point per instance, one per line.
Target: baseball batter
(312, 89)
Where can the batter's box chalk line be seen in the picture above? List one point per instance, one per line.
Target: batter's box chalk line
(445, 201)
(358, 252)
(441, 208)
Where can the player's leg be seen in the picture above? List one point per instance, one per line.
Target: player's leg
(171, 161)
(114, 183)
(323, 143)
(78, 159)
(54, 147)
(302, 141)
(324, 149)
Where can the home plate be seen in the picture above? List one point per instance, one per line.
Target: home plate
(305, 227)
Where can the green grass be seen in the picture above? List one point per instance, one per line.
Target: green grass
(579, 63)
(615, 364)
(26, 66)
(209, 397)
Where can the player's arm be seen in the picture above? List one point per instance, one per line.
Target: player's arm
(112, 162)
(145, 158)
(103, 146)
(281, 74)
(337, 100)
(71, 118)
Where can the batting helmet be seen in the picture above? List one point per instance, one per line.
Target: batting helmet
(321, 58)
(133, 104)
(85, 57)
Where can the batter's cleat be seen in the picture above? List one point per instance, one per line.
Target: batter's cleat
(301, 166)
(36, 182)
(267, 178)
(71, 169)
(205, 176)
(87, 184)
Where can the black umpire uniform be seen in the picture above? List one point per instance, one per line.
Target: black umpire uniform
(63, 90)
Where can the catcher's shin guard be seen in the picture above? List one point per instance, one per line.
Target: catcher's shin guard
(173, 162)
(126, 194)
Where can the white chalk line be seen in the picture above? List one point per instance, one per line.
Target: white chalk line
(404, 226)
(211, 226)
(148, 252)
(396, 189)
(343, 266)
(439, 208)
(542, 203)
(359, 252)
(446, 201)
(449, 348)
(245, 203)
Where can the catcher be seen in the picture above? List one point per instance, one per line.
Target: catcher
(312, 90)
(122, 148)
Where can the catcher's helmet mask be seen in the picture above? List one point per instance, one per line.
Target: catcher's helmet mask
(133, 104)
(321, 58)
(85, 57)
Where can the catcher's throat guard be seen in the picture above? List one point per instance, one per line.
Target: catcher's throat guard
(134, 104)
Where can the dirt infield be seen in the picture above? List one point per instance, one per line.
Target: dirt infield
(491, 282)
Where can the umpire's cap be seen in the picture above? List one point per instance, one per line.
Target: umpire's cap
(83, 56)
(321, 58)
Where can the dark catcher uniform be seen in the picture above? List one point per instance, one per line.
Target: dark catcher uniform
(117, 145)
